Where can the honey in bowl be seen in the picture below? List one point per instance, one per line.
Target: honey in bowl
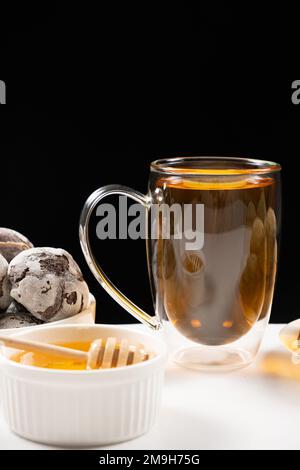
(102, 354)
(49, 362)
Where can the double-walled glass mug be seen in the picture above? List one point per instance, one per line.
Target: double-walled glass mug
(212, 255)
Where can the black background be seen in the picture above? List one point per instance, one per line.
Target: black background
(94, 95)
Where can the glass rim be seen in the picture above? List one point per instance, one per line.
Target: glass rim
(178, 166)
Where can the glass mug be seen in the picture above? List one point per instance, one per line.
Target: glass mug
(213, 300)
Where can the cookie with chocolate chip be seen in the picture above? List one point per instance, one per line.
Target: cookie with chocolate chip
(12, 243)
(5, 298)
(48, 283)
(20, 320)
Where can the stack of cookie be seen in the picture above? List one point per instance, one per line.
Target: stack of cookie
(37, 285)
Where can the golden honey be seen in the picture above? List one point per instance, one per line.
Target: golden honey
(119, 356)
(50, 362)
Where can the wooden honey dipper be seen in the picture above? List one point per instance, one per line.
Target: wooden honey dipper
(102, 353)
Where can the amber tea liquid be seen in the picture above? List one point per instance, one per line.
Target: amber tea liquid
(213, 296)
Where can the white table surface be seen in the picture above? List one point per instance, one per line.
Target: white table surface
(245, 409)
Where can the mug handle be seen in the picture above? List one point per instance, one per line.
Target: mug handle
(99, 274)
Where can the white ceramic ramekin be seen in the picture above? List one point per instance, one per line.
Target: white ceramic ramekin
(86, 316)
(83, 408)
